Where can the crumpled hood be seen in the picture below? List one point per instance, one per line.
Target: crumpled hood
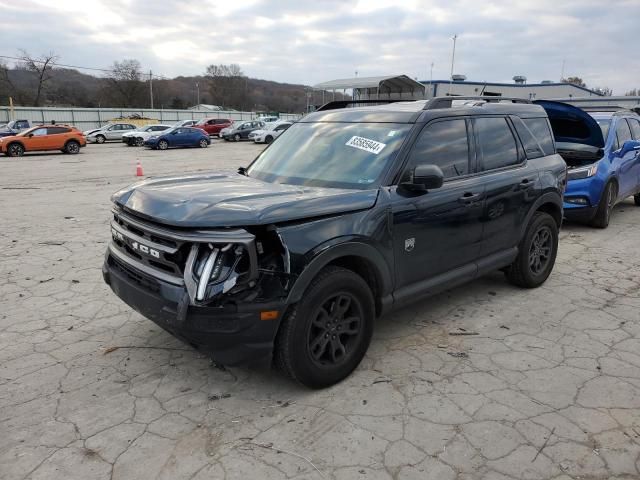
(232, 200)
(572, 124)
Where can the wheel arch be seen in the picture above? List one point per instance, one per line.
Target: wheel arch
(361, 258)
(550, 203)
(14, 142)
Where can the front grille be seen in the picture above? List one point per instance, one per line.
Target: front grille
(136, 277)
(146, 244)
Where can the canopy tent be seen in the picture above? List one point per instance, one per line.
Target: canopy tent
(374, 88)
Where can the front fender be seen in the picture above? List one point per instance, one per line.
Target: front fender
(330, 252)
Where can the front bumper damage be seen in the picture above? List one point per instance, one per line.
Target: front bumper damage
(208, 288)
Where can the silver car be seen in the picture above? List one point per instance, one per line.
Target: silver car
(113, 131)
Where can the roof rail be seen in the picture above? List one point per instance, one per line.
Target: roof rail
(447, 102)
(602, 108)
(336, 104)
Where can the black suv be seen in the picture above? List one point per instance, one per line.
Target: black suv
(349, 213)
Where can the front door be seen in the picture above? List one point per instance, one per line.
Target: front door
(635, 131)
(437, 231)
(626, 165)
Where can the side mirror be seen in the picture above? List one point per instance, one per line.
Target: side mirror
(425, 177)
(31, 135)
(628, 146)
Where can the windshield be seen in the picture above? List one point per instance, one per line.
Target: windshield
(604, 124)
(337, 155)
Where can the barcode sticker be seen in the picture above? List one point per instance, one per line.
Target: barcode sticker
(366, 144)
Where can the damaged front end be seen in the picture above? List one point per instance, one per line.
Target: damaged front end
(214, 267)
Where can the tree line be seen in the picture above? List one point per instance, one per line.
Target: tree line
(40, 81)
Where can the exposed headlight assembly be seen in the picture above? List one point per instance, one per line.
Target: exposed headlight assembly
(582, 172)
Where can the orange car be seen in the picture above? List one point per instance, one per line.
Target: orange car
(44, 137)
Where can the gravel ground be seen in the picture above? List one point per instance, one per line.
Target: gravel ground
(548, 389)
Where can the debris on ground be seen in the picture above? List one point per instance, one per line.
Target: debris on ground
(52, 242)
(46, 280)
(218, 396)
(463, 333)
(458, 354)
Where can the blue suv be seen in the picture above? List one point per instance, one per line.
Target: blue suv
(179, 137)
(601, 147)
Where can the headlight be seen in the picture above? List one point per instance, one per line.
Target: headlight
(582, 172)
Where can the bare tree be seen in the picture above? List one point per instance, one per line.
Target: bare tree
(575, 81)
(42, 66)
(228, 85)
(126, 80)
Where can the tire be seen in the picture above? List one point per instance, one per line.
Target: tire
(72, 147)
(269, 139)
(15, 150)
(139, 142)
(536, 253)
(603, 213)
(236, 137)
(308, 347)
(203, 143)
(163, 145)
(636, 199)
(101, 139)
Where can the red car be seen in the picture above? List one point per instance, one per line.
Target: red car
(213, 125)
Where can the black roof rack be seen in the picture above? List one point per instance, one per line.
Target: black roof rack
(447, 102)
(345, 103)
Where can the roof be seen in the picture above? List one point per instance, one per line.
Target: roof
(516, 85)
(394, 83)
(206, 106)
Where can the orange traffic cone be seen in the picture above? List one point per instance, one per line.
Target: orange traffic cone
(139, 172)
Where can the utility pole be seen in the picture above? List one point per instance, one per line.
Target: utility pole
(151, 88)
(197, 93)
(453, 58)
(562, 71)
(431, 80)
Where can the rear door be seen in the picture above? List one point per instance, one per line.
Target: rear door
(438, 231)
(511, 182)
(56, 137)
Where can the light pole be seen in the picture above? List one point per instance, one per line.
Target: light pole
(431, 80)
(151, 88)
(453, 58)
(197, 93)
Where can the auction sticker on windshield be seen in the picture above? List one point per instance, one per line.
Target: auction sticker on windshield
(366, 144)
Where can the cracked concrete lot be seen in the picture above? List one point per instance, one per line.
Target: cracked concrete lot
(549, 388)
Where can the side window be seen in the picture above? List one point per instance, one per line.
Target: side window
(531, 146)
(497, 146)
(56, 130)
(635, 128)
(622, 132)
(444, 144)
(539, 127)
(40, 132)
(112, 128)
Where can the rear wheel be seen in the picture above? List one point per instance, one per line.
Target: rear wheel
(324, 337)
(163, 145)
(100, 139)
(203, 143)
(15, 150)
(536, 253)
(603, 213)
(72, 147)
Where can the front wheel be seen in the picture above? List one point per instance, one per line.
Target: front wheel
(139, 142)
(15, 150)
(636, 199)
(536, 253)
(324, 337)
(163, 145)
(603, 213)
(203, 143)
(237, 137)
(269, 139)
(101, 139)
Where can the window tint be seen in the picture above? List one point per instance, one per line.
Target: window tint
(497, 146)
(635, 127)
(539, 127)
(39, 132)
(622, 132)
(281, 127)
(531, 146)
(55, 130)
(443, 144)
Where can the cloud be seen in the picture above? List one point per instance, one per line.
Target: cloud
(310, 42)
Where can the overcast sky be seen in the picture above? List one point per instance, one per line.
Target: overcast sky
(308, 42)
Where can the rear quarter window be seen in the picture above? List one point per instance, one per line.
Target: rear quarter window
(496, 144)
(539, 128)
(532, 148)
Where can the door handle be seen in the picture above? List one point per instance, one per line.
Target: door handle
(469, 198)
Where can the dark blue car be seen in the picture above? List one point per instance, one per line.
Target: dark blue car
(602, 152)
(179, 137)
